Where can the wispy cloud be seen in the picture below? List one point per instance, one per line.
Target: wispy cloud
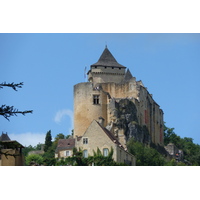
(61, 113)
(28, 138)
(60, 116)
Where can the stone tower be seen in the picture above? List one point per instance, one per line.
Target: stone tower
(119, 102)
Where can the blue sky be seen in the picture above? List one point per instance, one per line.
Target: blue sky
(51, 64)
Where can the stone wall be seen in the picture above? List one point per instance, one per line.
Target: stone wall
(11, 160)
(97, 138)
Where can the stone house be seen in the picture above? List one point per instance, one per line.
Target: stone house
(65, 148)
(96, 136)
(37, 152)
(174, 152)
(11, 152)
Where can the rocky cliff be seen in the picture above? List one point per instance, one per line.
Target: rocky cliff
(123, 115)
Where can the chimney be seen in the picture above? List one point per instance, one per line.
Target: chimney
(101, 121)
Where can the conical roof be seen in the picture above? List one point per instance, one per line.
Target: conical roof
(4, 137)
(107, 59)
(128, 75)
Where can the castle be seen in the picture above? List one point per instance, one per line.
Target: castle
(122, 105)
(111, 108)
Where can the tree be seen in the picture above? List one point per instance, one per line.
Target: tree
(48, 141)
(26, 150)
(145, 156)
(59, 136)
(191, 151)
(170, 136)
(34, 159)
(49, 156)
(8, 111)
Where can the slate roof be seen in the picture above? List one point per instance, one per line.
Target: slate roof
(107, 59)
(4, 137)
(65, 144)
(111, 136)
(128, 75)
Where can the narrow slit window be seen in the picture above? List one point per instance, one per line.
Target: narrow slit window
(95, 99)
(105, 152)
(85, 153)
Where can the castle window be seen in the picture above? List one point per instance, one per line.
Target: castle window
(95, 99)
(85, 140)
(119, 68)
(85, 153)
(105, 152)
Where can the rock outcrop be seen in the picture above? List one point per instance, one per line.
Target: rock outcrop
(124, 121)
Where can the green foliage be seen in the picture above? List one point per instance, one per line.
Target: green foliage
(170, 136)
(97, 159)
(173, 162)
(191, 151)
(48, 141)
(34, 159)
(49, 156)
(145, 156)
(38, 146)
(59, 136)
(26, 150)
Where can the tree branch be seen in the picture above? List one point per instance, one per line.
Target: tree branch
(14, 86)
(8, 111)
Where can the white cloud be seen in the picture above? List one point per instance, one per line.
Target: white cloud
(28, 138)
(61, 113)
(60, 116)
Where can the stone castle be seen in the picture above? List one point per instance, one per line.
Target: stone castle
(118, 102)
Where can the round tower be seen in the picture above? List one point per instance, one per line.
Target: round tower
(90, 103)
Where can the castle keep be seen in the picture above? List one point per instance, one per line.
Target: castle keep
(118, 102)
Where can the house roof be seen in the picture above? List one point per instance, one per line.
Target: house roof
(65, 144)
(11, 144)
(111, 136)
(107, 59)
(4, 137)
